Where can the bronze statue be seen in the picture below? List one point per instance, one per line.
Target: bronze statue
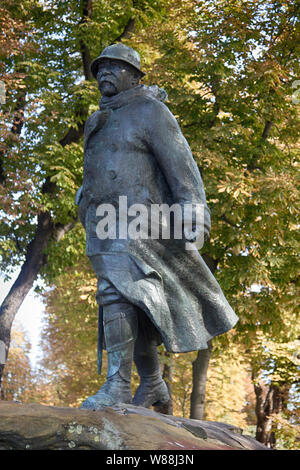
(150, 289)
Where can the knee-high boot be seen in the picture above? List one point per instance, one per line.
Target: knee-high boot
(120, 330)
(152, 389)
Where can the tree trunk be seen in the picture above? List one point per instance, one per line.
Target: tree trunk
(200, 367)
(262, 410)
(269, 404)
(34, 260)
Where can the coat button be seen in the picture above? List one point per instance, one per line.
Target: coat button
(112, 174)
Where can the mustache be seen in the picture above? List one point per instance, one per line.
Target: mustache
(107, 78)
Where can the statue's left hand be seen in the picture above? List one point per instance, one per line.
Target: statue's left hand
(78, 196)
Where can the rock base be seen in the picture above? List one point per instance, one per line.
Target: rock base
(122, 427)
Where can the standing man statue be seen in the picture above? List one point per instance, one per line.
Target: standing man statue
(150, 289)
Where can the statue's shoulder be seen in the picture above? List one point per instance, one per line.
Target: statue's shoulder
(156, 116)
(94, 123)
(152, 107)
(91, 121)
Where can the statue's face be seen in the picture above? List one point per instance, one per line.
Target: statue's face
(114, 76)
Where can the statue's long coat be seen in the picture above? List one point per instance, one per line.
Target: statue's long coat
(134, 147)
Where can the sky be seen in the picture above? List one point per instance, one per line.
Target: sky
(29, 317)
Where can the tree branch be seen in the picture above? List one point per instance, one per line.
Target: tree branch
(267, 130)
(128, 30)
(61, 230)
(73, 135)
(129, 27)
(211, 262)
(265, 134)
(229, 222)
(16, 129)
(87, 7)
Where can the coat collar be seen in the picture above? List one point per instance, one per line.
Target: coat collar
(126, 97)
(97, 120)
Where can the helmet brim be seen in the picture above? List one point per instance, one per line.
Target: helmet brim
(95, 63)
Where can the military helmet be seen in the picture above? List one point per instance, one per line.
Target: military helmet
(119, 52)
